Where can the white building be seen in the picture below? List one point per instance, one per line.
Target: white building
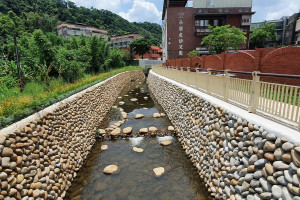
(123, 41)
(67, 30)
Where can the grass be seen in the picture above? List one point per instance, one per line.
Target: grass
(15, 105)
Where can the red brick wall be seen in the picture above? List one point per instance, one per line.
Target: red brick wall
(280, 61)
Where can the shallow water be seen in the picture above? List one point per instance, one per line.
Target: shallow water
(135, 179)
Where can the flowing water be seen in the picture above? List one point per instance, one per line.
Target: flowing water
(135, 179)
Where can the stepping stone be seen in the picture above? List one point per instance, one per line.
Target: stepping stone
(171, 128)
(138, 150)
(117, 124)
(124, 115)
(111, 169)
(166, 142)
(115, 132)
(162, 114)
(133, 99)
(104, 147)
(156, 115)
(127, 130)
(146, 98)
(159, 171)
(121, 103)
(143, 130)
(139, 116)
(119, 97)
(152, 129)
(102, 131)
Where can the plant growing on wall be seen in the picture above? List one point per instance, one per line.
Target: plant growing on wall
(194, 53)
(258, 36)
(222, 38)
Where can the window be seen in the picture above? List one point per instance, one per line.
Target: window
(206, 22)
(197, 22)
(216, 22)
(210, 2)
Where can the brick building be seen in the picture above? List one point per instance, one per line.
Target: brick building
(68, 30)
(184, 27)
(155, 53)
(123, 41)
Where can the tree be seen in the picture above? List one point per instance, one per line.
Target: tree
(222, 38)
(140, 46)
(258, 36)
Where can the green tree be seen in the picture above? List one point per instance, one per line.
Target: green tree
(45, 53)
(258, 36)
(140, 46)
(115, 59)
(222, 38)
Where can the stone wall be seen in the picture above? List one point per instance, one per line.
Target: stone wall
(40, 159)
(235, 159)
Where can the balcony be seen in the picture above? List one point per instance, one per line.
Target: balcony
(204, 31)
(298, 26)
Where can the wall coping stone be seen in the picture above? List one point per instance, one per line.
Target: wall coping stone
(49, 109)
(278, 129)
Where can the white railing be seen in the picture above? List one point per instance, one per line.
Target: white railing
(277, 101)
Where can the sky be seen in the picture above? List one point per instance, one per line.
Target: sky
(151, 10)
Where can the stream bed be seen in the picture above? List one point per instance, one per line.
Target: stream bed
(135, 179)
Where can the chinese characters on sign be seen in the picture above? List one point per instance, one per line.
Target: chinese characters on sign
(180, 36)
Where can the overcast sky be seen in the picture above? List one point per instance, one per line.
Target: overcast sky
(150, 10)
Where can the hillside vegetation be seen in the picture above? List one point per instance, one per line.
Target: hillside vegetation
(47, 14)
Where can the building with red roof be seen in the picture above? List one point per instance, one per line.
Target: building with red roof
(154, 54)
(67, 30)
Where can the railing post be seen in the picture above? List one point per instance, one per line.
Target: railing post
(226, 85)
(255, 91)
(208, 77)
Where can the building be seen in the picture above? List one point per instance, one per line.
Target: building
(123, 41)
(67, 30)
(154, 54)
(297, 30)
(290, 37)
(185, 27)
(285, 30)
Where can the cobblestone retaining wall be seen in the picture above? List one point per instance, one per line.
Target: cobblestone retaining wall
(235, 159)
(40, 159)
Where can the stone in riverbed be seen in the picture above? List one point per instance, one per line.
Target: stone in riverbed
(143, 130)
(152, 129)
(276, 191)
(104, 147)
(111, 169)
(166, 142)
(138, 150)
(156, 115)
(139, 116)
(127, 130)
(102, 131)
(121, 103)
(133, 99)
(162, 114)
(146, 98)
(115, 132)
(159, 171)
(171, 128)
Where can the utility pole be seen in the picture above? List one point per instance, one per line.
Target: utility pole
(18, 63)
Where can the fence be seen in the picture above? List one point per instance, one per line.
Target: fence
(277, 101)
